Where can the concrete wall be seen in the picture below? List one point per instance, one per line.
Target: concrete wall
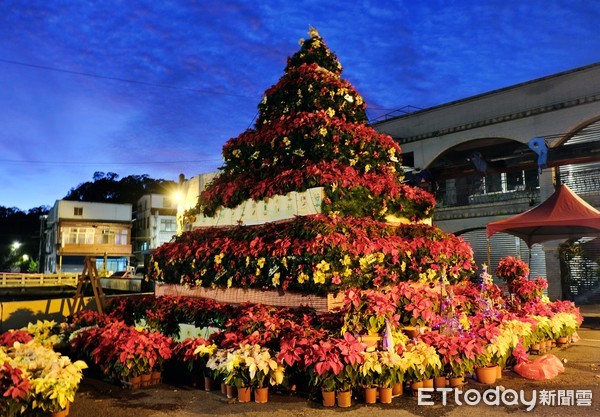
(17, 314)
(551, 107)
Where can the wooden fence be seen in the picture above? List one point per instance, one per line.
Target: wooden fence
(10, 279)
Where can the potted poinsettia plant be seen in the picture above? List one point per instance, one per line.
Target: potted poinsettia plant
(216, 367)
(368, 375)
(53, 378)
(15, 387)
(510, 269)
(335, 367)
(194, 353)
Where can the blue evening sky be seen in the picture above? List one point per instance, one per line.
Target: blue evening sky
(157, 87)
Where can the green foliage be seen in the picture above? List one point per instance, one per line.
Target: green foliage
(107, 188)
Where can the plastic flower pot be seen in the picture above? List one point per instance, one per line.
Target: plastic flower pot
(328, 398)
(344, 399)
(397, 389)
(456, 381)
(135, 381)
(146, 378)
(207, 383)
(440, 382)
(370, 395)
(261, 395)
(243, 394)
(155, 378)
(414, 386)
(486, 375)
(385, 395)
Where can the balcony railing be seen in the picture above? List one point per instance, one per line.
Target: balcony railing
(9, 279)
(466, 196)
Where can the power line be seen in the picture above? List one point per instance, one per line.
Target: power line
(126, 80)
(16, 161)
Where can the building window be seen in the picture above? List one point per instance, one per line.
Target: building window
(78, 211)
(168, 225)
(78, 235)
(121, 237)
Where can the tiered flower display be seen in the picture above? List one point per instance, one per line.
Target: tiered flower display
(311, 132)
(370, 242)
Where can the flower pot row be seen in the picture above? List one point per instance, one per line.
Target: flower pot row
(145, 380)
(547, 345)
(243, 394)
(385, 395)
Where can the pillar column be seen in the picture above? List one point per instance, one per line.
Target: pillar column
(553, 269)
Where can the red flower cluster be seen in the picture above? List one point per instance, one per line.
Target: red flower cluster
(511, 268)
(249, 256)
(13, 384)
(9, 338)
(121, 350)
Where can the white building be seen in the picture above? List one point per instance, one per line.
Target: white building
(76, 229)
(155, 223)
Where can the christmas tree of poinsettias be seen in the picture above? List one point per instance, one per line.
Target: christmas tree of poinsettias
(370, 233)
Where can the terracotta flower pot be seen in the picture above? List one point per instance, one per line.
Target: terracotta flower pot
(155, 377)
(486, 375)
(498, 372)
(562, 341)
(146, 378)
(411, 331)
(261, 395)
(385, 395)
(428, 383)
(61, 413)
(370, 395)
(223, 388)
(243, 394)
(456, 381)
(370, 341)
(397, 389)
(231, 391)
(135, 381)
(344, 399)
(440, 382)
(414, 387)
(328, 398)
(207, 383)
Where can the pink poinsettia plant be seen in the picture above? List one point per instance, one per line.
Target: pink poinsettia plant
(195, 353)
(336, 362)
(122, 351)
(511, 268)
(15, 388)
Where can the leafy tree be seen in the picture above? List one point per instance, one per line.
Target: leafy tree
(107, 188)
(22, 227)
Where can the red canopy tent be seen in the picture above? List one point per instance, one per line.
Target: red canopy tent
(564, 215)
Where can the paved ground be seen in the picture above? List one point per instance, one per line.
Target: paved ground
(582, 372)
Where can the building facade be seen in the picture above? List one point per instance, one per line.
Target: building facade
(76, 229)
(155, 222)
(501, 153)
